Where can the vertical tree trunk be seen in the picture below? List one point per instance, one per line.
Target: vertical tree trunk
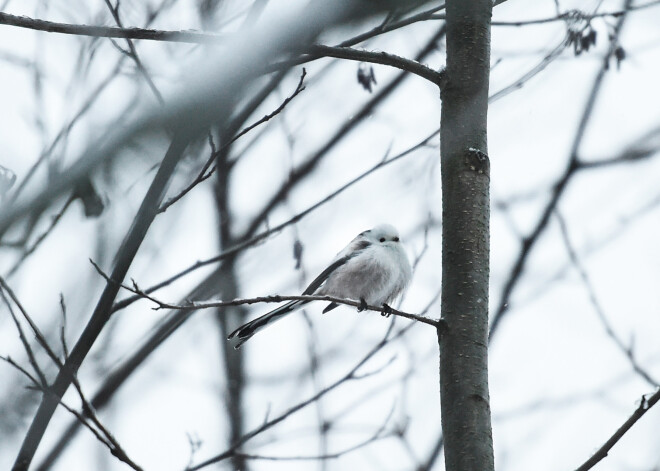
(465, 239)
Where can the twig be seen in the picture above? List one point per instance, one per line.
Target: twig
(41, 339)
(196, 305)
(65, 347)
(571, 15)
(61, 135)
(190, 37)
(110, 31)
(326, 456)
(270, 423)
(644, 406)
(43, 382)
(100, 432)
(545, 62)
(132, 53)
(205, 173)
(572, 168)
(575, 260)
(43, 236)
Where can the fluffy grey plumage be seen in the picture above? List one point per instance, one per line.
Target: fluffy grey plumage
(373, 268)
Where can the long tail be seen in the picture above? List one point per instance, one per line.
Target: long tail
(244, 332)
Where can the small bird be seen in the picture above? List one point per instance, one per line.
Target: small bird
(373, 269)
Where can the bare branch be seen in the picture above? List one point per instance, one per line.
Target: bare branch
(110, 31)
(132, 53)
(575, 260)
(98, 430)
(55, 219)
(327, 456)
(270, 423)
(645, 405)
(205, 172)
(43, 382)
(196, 305)
(572, 15)
(384, 58)
(572, 168)
(41, 339)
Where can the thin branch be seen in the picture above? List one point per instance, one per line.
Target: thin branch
(571, 15)
(645, 147)
(644, 406)
(434, 454)
(270, 423)
(327, 456)
(55, 219)
(384, 58)
(65, 346)
(572, 168)
(61, 135)
(189, 36)
(11, 362)
(197, 37)
(381, 29)
(41, 339)
(43, 382)
(132, 53)
(341, 51)
(575, 260)
(100, 432)
(196, 305)
(520, 82)
(110, 31)
(205, 173)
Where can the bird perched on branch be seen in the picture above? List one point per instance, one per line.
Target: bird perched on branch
(373, 269)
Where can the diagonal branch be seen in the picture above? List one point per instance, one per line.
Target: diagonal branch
(626, 350)
(206, 172)
(196, 305)
(644, 406)
(573, 166)
(351, 375)
(103, 310)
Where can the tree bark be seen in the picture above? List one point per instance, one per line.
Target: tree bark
(465, 166)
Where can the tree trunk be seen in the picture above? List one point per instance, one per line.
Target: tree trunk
(465, 239)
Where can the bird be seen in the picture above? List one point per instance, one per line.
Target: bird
(373, 269)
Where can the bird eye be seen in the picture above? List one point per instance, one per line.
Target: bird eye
(396, 239)
(382, 239)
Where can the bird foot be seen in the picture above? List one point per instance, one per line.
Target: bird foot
(386, 311)
(363, 305)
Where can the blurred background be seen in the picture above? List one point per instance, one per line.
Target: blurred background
(574, 134)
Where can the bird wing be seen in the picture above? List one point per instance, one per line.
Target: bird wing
(319, 280)
(343, 257)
